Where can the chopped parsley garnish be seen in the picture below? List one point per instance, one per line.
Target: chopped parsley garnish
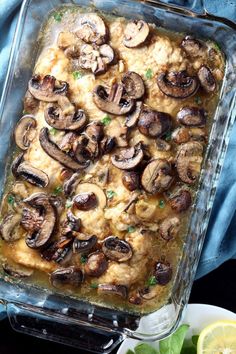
(93, 285)
(161, 204)
(77, 75)
(151, 281)
(110, 194)
(11, 199)
(198, 100)
(217, 47)
(53, 131)
(167, 136)
(69, 203)
(149, 74)
(106, 120)
(83, 259)
(58, 16)
(57, 190)
(131, 229)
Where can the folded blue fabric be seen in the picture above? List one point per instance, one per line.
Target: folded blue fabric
(220, 243)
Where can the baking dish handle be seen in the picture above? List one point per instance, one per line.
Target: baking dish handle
(34, 322)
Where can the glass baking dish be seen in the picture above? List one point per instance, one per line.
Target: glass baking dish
(51, 316)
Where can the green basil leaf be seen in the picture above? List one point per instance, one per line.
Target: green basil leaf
(174, 343)
(195, 340)
(189, 350)
(144, 348)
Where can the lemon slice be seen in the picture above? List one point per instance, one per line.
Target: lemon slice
(218, 338)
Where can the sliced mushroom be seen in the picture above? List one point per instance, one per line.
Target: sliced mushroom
(181, 135)
(148, 293)
(95, 131)
(96, 190)
(59, 251)
(191, 46)
(112, 100)
(188, 161)
(116, 249)
(72, 276)
(95, 58)
(131, 180)
(70, 225)
(32, 175)
(192, 117)
(31, 105)
(107, 144)
(47, 89)
(91, 29)
(206, 79)
(31, 220)
(180, 201)
(84, 245)
(54, 152)
(153, 123)
(135, 33)
(17, 271)
(177, 84)
(85, 201)
(163, 272)
(16, 163)
(23, 132)
(64, 116)
(9, 227)
(112, 289)
(39, 238)
(69, 185)
(169, 228)
(133, 85)
(96, 264)
(128, 158)
(162, 145)
(132, 118)
(157, 176)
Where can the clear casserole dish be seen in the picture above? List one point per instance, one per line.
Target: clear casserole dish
(46, 314)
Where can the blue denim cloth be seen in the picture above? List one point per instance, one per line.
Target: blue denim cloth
(220, 243)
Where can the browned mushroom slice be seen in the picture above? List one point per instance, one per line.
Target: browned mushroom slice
(31, 219)
(31, 105)
(112, 289)
(95, 58)
(70, 184)
(162, 145)
(85, 201)
(32, 175)
(177, 84)
(95, 131)
(188, 161)
(72, 276)
(206, 79)
(91, 29)
(72, 120)
(128, 158)
(157, 176)
(116, 249)
(16, 163)
(133, 85)
(39, 238)
(153, 123)
(163, 272)
(181, 135)
(8, 227)
(180, 201)
(59, 251)
(47, 89)
(112, 100)
(148, 293)
(192, 116)
(169, 228)
(17, 271)
(24, 131)
(191, 46)
(132, 119)
(131, 180)
(96, 190)
(135, 33)
(54, 152)
(84, 245)
(107, 145)
(70, 224)
(96, 264)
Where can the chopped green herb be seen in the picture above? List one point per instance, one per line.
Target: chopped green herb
(77, 75)
(69, 203)
(53, 131)
(110, 194)
(217, 47)
(161, 204)
(93, 285)
(167, 136)
(145, 348)
(151, 281)
(58, 16)
(57, 190)
(149, 74)
(11, 199)
(131, 229)
(83, 259)
(198, 100)
(106, 120)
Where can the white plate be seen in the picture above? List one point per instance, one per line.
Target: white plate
(197, 316)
